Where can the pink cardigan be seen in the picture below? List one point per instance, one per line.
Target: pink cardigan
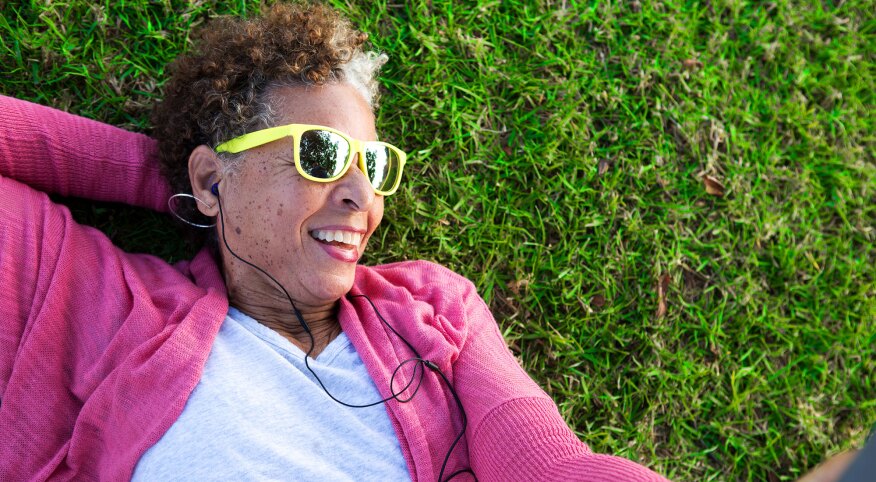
(99, 349)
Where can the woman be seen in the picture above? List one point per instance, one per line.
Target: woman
(269, 354)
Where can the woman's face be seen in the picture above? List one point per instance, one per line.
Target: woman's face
(274, 216)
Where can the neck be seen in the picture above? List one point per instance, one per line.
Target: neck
(274, 311)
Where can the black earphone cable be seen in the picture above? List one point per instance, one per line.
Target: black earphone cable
(417, 359)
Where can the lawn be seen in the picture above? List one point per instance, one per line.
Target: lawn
(670, 206)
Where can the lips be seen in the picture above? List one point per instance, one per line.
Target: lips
(341, 244)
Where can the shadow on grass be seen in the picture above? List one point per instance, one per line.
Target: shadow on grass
(133, 229)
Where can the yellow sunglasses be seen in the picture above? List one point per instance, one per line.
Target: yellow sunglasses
(323, 154)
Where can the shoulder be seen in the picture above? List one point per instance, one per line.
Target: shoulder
(421, 280)
(442, 309)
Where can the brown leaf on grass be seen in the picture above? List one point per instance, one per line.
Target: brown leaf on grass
(662, 288)
(603, 166)
(661, 309)
(598, 301)
(692, 64)
(713, 186)
(505, 143)
(518, 285)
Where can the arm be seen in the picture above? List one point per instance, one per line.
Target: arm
(57, 152)
(49, 150)
(23, 234)
(86, 331)
(515, 431)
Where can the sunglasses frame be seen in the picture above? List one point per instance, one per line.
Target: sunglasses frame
(271, 134)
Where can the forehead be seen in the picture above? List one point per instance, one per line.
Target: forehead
(339, 106)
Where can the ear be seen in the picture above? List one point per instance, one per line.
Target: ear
(204, 171)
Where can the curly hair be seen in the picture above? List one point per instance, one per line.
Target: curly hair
(221, 89)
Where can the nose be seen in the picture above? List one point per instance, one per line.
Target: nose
(355, 188)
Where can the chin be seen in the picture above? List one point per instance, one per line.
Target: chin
(332, 287)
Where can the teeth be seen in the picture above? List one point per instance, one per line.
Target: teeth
(345, 237)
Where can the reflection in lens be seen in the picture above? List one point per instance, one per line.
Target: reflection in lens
(382, 164)
(323, 153)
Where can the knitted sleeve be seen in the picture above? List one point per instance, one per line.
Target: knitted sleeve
(56, 152)
(22, 237)
(515, 431)
(99, 349)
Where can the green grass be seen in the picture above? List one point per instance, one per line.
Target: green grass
(557, 158)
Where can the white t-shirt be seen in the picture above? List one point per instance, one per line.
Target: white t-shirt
(259, 414)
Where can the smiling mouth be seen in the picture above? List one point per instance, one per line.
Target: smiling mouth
(341, 239)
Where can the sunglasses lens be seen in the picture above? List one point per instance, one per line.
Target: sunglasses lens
(383, 165)
(323, 153)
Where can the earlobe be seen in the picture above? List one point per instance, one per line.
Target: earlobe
(204, 174)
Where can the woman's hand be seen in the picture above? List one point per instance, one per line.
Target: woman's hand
(831, 469)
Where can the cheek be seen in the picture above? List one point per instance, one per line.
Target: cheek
(376, 214)
(260, 230)
(286, 212)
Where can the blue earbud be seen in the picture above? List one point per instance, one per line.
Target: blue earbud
(215, 189)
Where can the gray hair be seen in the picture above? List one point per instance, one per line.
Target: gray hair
(360, 72)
